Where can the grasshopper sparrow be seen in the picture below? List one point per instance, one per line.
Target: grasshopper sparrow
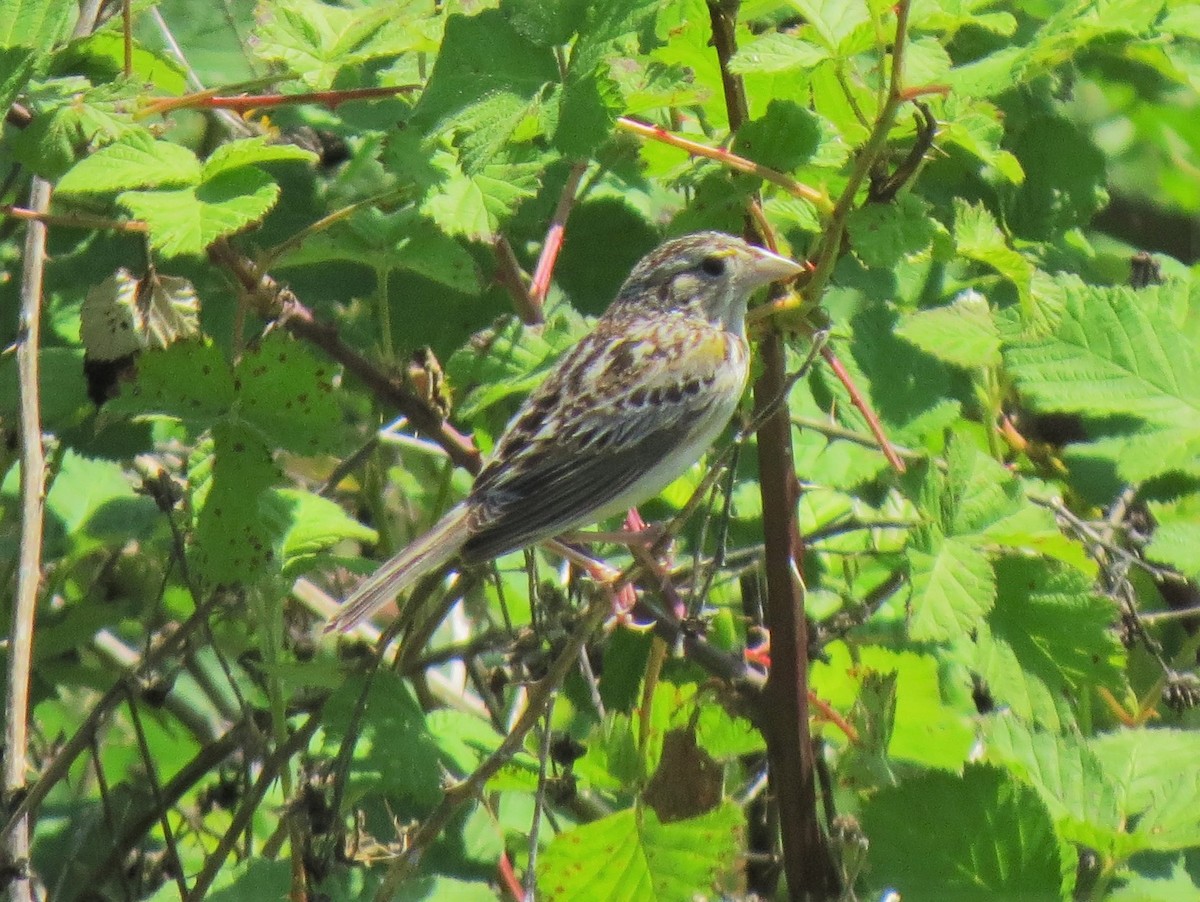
(624, 412)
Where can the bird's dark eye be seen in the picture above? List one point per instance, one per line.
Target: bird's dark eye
(712, 266)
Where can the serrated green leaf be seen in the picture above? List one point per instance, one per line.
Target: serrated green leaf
(187, 221)
(482, 56)
(36, 24)
(1029, 659)
(286, 392)
(316, 40)
(632, 855)
(835, 24)
(988, 838)
(1113, 351)
(248, 151)
(72, 117)
(138, 162)
(884, 234)
(1157, 783)
(234, 540)
(978, 237)
(546, 24)
(475, 205)
(962, 333)
(310, 525)
(1060, 191)
(953, 588)
(773, 53)
(785, 137)
(189, 380)
(394, 752)
(1066, 774)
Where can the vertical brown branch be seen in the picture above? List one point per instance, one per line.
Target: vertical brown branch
(807, 863)
(33, 510)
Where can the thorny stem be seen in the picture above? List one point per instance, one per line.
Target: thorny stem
(818, 199)
(33, 510)
(783, 714)
(244, 103)
(554, 235)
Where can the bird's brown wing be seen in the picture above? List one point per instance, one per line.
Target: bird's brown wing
(566, 488)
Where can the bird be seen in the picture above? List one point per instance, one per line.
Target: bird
(624, 412)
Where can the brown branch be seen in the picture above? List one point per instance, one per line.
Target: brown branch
(784, 712)
(29, 572)
(74, 220)
(244, 103)
(509, 274)
(272, 301)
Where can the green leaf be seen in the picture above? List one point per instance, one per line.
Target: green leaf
(234, 542)
(36, 24)
(101, 57)
(138, 162)
(16, 66)
(632, 855)
(482, 56)
(773, 53)
(187, 221)
(784, 138)
(1157, 784)
(311, 525)
(962, 333)
(1112, 351)
(884, 234)
(189, 380)
(842, 28)
(394, 751)
(1066, 774)
(1030, 661)
(986, 837)
(545, 24)
(72, 117)
(316, 40)
(248, 151)
(1061, 190)
(1178, 546)
(1178, 887)
(953, 588)
(474, 206)
(978, 237)
(285, 391)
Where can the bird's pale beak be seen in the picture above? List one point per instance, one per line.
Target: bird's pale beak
(768, 267)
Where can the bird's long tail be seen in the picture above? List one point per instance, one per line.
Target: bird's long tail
(424, 555)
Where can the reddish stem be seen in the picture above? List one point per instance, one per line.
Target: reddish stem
(864, 408)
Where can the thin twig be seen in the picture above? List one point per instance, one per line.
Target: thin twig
(251, 802)
(509, 274)
(74, 220)
(818, 199)
(33, 511)
(540, 694)
(554, 235)
(156, 793)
